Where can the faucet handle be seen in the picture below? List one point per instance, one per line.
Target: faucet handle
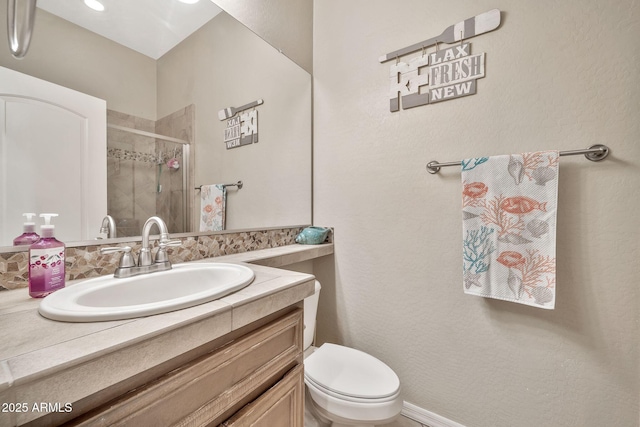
(161, 255)
(127, 259)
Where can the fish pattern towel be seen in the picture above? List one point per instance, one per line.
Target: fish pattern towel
(213, 199)
(509, 206)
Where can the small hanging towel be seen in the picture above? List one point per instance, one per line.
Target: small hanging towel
(509, 206)
(213, 200)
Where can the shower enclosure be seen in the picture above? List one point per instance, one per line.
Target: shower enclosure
(147, 175)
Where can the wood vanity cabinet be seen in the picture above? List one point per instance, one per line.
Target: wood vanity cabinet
(281, 405)
(254, 380)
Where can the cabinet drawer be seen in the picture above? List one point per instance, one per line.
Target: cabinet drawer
(282, 405)
(211, 388)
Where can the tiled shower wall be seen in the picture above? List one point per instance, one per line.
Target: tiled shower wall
(131, 173)
(170, 202)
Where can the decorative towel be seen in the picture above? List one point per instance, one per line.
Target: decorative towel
(213, 199)
(509, 206)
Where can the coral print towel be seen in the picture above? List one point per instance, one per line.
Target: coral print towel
(212, 207)
(509, 227)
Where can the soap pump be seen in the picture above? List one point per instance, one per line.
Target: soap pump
(29, 234)
(46, 261)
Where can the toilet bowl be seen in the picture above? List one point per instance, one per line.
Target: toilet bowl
(345, 386)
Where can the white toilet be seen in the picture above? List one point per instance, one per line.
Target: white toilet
(346, 387)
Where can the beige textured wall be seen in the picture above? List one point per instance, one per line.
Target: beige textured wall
(71, 56)
(285, 24)
(559, 75)
(225, 65)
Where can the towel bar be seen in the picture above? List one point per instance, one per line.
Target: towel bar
(595, 153)
(238, 184)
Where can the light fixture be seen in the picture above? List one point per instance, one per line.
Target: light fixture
(20, 20)
(95, 5)
(189, 1)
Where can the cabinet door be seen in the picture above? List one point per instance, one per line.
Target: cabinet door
(212, 388)
(282, 405)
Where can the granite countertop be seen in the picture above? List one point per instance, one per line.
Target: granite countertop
(41, 360)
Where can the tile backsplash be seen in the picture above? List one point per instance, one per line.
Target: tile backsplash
(86, 261)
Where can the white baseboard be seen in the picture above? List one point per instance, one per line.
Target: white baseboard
(428, 418)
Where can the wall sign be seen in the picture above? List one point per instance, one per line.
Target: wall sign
(444, 74)
(241, 129)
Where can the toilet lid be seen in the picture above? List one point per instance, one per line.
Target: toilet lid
(350, 372)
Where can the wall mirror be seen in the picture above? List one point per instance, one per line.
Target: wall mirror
(164, 135)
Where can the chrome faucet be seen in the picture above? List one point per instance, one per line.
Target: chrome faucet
(145, 252)
(109, 226)
(146, 264)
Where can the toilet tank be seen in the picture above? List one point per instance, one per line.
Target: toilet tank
(310, 311)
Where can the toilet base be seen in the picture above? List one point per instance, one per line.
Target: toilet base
(311, 420)
(325, 419)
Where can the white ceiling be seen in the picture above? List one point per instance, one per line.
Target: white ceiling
(151, 27)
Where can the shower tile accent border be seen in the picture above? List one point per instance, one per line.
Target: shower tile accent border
(154, 159)
(83, 262)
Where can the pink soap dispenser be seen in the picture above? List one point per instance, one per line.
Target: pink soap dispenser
(29, 234)
(46, 261)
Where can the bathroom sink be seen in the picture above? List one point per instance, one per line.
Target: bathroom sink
(109, 298)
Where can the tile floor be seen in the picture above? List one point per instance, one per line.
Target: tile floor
(311, 421)
(404, 422)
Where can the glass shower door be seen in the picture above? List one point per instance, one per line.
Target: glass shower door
(146, 176)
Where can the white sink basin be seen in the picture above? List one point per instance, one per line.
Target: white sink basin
(108, 298)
